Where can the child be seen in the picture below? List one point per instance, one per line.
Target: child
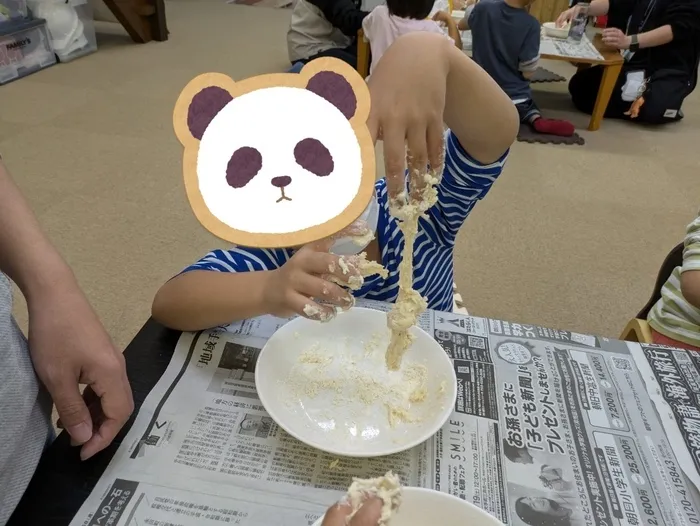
(324, 28)
(506, 43)
(398, 17)
(421, 78)
(675, 319)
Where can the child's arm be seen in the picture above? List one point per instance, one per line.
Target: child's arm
(452, 31)
(240, 283)
(530, 52)
(690, 271)
(478, 112)
(342, 14)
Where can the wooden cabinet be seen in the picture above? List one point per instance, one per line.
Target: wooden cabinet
(548, 10)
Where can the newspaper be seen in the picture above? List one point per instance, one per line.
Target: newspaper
(673, 382)
(549, 428)
(569, 48)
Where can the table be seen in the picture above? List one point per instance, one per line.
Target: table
(567, 414)
(612, 65)
(62, 482)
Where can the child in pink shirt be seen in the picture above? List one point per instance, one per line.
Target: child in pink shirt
(388, 22)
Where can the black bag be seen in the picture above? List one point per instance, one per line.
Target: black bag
(665, 92)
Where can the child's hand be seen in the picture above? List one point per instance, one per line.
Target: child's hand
(442, 16)
(314, 273)
(408, 99)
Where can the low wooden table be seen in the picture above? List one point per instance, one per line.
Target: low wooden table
(612, 65)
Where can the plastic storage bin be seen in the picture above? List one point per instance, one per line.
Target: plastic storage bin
(12, 10)
(25, 47)
(70, 24)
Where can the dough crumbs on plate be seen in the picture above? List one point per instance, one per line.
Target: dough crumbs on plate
(386, 488)
(358, 382)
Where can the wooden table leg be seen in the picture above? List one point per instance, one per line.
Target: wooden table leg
(607, 84)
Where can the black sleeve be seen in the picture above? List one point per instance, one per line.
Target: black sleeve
(684, 18)
(619, 12)
(343, 14)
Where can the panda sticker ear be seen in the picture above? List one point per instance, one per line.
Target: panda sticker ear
(335, 89)
(204, 107)
(339, 84)
(201, 100)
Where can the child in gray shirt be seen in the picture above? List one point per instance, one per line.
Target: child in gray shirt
(506, 43)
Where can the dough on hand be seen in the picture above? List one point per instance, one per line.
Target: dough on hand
(409, 303)
(386, 488)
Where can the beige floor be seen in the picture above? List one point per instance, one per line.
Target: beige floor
(570, 237)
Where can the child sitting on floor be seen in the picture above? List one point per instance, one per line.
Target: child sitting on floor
(388, 22)
(675, 319)
(506, 43)
(421, 78)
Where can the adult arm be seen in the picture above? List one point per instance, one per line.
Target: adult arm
(690, 271)
(67, 342)
(342, 14)
(683, 19)
(596, 8)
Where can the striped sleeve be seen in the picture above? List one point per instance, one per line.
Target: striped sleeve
(530, 53)
(240, 259)
(464, 182)
(691, 250)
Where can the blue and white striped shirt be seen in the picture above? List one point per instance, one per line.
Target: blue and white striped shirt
(463, 183)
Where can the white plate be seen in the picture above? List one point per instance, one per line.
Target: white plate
(423, 507)
(347, 420)
(551, 30)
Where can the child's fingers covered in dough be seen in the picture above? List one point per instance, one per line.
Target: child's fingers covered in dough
(321, 289)
(308, 308)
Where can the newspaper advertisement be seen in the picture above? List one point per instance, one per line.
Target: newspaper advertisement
(550, 428)
(673, 383)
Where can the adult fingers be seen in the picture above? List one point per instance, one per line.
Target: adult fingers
(116, 405)
(395, 159)
(72, 410)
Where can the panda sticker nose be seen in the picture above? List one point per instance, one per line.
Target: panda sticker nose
(281, 182)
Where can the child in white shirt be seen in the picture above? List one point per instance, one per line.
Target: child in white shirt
(388, 22)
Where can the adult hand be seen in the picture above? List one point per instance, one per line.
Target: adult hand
(69, 347)
(613, 37)
(367, 515)
(567, 16)
(408, 88)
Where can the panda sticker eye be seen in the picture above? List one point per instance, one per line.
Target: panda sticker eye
(313, 156)
(245, 164)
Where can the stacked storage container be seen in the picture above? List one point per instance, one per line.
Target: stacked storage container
(33, 35)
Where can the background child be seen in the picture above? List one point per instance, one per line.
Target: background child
(421, 78)
(388, 22)
(324, 28)
(675, 319)
(506, 43)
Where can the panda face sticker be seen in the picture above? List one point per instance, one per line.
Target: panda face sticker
(264, 168)
(278, 160)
